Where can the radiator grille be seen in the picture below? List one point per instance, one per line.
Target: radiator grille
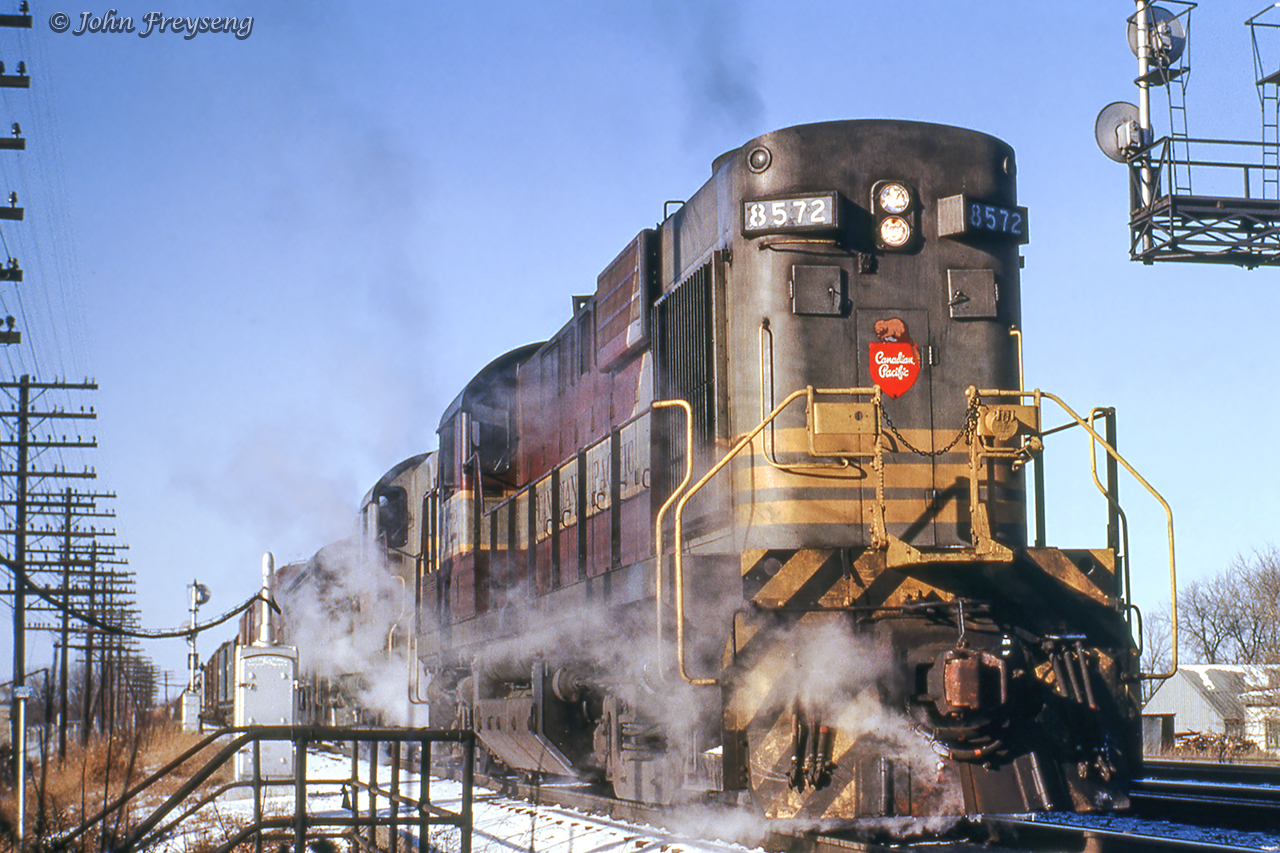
(685, 368)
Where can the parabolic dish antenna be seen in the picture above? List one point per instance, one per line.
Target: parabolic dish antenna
(1165, 34)
(1117, 130)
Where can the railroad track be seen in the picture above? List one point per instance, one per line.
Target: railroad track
(1212, 771)
(1241, 796)
(1161, 820)
(1061, 833)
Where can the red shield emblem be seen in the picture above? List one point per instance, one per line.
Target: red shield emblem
(895, 366)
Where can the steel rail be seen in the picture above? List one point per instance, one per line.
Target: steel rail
(1238, 796)
(988, 833)
(1024, 833)
(1205, 770)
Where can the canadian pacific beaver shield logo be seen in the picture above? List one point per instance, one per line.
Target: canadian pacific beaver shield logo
(895, 359)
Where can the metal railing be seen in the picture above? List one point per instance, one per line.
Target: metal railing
(1096, 440)
(1015, 438)
(389, 810)
(1220, 163)
(1233, 217)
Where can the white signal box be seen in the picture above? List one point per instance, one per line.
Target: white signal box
(266, 679)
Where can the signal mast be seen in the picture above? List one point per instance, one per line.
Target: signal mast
(1190, 199)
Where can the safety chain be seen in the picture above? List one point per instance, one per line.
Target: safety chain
(970, 426)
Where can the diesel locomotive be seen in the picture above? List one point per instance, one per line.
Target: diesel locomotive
(752, 527)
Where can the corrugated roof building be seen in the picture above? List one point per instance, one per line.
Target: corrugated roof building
(1237, 701)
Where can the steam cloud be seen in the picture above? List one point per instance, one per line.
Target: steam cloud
(719, 77)
(345, 608)
(341, 613)
(845, 680)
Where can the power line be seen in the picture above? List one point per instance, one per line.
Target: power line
(139, 633)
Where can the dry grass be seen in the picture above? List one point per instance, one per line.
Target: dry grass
(60, 794)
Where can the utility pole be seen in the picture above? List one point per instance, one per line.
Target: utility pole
(66, 635)
(22, 473)
(87, 713)
(73, 505)
(72, 509)
(12, 272)
(109, 597)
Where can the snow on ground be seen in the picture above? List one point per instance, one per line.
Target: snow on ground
(504, 825)
(499, 824)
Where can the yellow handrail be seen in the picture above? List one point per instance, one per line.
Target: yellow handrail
(1016, 334)
(715, 469)
(657, 527)
(1115, 454)
(686, 494)
(766, 394)
(1097, 482)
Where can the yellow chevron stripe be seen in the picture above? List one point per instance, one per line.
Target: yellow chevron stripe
(846, 802)
(753, 686)
(771, 758)
(750, 557)
(773, 747)
(793, 575)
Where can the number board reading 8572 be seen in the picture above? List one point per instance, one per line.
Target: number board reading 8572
(963, 216)
(817, 212)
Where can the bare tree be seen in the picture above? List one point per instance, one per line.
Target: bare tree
(1157, 647)
(1206, 612)
(1234, 616)
(1258, 640)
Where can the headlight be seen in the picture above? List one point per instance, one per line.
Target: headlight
(894, 198)
(895, 213)
(895, 231)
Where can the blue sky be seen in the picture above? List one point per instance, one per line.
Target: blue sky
(281, 256)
